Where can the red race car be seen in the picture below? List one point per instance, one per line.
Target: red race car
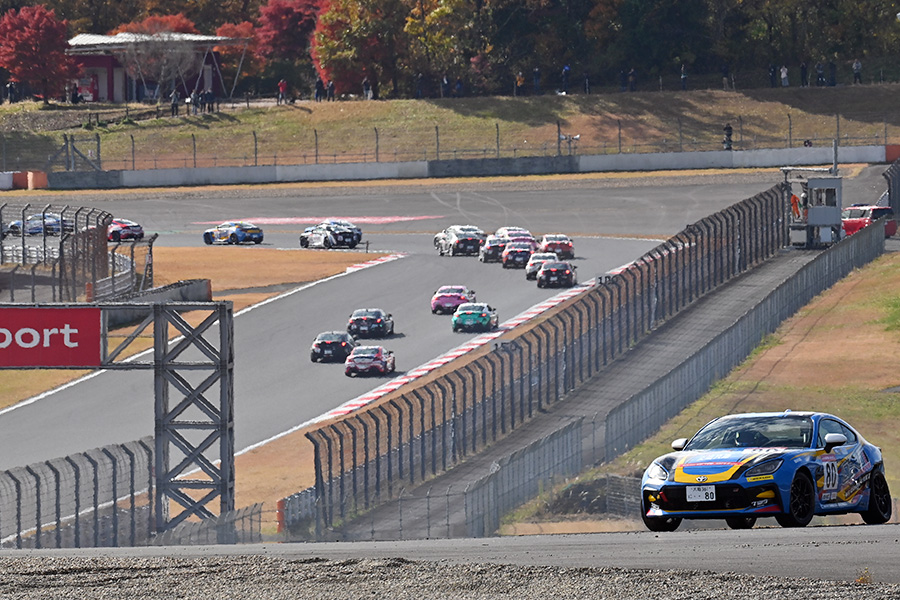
(365, 360)
(123, 229)
(855, 218)
(559, 244)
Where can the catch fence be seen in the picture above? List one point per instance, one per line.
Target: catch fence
(369, 456)
(68, 258)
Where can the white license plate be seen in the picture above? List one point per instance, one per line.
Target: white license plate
(553, 279)
(701, 493)
(328, 352)
(363, 327)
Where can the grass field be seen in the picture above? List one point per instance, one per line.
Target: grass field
(458, 127)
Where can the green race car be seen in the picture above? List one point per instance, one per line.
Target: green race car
(475, 316)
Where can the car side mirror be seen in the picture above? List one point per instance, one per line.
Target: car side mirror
(834, 439)
(679, 444)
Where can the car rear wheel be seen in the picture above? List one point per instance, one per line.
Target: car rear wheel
(659, 523)
(801, 503)
(740, 522)
(880, 504)
(257, 241)
(116, 236)
(233, 238)
(313, 357)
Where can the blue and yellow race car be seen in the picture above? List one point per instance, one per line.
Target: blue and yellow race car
(790, 465)
(233, 232)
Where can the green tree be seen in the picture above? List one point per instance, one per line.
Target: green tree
(32, 49)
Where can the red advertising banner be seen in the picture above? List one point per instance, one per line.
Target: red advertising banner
(50, 337)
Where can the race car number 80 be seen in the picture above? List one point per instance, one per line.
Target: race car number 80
(701, 493)
(831, 476)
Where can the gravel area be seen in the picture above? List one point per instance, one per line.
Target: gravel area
(273, 578)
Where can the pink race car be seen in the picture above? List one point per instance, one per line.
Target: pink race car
(448, 297)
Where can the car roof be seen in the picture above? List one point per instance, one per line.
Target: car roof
(452, 287)
(556, 264)
(543, 256)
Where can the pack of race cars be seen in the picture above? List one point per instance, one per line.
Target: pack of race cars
(544, 259)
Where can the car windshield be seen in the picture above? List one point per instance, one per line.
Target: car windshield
(543, 256)
(366, 312)
(549, 266)
(853, 213)
(452, 290)
(471, 307)
(556, 238)
(125, 222)
(331, 336)
(518, 246)
(366, 351)
(773, 431)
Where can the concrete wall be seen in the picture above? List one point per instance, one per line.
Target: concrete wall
(539, 165)
(193, 290)
(6, 180)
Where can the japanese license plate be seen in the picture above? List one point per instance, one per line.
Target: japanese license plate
(701, 493)
(553, 279)
(328, 352)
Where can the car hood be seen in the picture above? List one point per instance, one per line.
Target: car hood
(721, 464)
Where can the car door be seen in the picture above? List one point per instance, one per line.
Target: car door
(843, 469)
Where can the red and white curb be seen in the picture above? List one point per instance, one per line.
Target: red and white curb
(453, 354)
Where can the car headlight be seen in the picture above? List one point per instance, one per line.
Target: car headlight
(767, 468)
(655, 471)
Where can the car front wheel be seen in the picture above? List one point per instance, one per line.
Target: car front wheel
(659, 523)
(207, 238)
(880, 504)
(801, 503)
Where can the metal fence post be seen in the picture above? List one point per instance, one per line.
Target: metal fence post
(115, 496)
(37, 506)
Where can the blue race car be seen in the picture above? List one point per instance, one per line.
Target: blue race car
(233, 232)
(790, 465)
(38, 224)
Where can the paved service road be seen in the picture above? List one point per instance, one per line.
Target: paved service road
(276, 386)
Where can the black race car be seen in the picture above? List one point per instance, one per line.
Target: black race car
(492, 249)
(557, 274)
(370, 322)
(332, 345)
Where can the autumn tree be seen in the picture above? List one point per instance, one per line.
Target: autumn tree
(283, 36)
(362, 38)
(239, 60)
(96, 16)
(32, 49)
(155, 55)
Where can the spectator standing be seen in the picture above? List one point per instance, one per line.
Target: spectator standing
(330, 90)
(419, 82)
(773, 71)
(832, 73)
(804, 75)
(857, 71)
(195, 102)
(282, 91)
(210, 98)
(175, 97)
(727, 139)
(623, 80)
(784, 76)
(587, 83)
(459, 87)
(565, 80)
(445, 86)
(820, 74)
(367, 88)
(725, 75)
(536, 80)
(683, 77)
(520, 84)
(320, 89)
(632, 80)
